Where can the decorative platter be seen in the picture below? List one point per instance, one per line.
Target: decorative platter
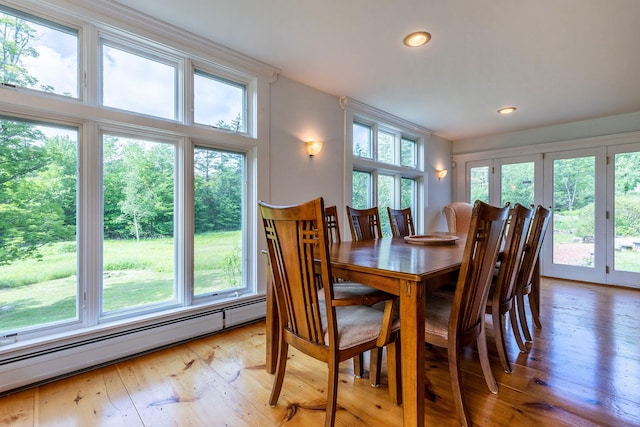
(432, 239)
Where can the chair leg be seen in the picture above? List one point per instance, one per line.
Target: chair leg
(332, 392)
(375, 366)
(485, 364)
(358, 365)
(516, 329)
(456, 385)
(280, 370)
(394, 372)
(501, 346)
(535, 312)
(522, 314)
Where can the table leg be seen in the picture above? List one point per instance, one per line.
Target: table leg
(412, 352)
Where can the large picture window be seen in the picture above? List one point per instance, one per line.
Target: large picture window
(110, 213)
(219, 213)
(139, 243)
(38, 245)
(386, 170)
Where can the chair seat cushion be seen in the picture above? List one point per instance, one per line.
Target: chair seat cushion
(437, 313)
(357, 325)
(352, 293)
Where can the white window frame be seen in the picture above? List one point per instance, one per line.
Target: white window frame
(366, 115)
(87, 337)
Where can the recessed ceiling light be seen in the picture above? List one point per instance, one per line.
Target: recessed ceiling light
(507, 110)
(416, 39)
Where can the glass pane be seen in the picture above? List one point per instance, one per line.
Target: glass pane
(138, 84)
(386, 147)
(408, 196)
(218, 181)
(479, 184)
(361, 197)
(361, 140)
(386, 196)
(408, 155)
(517, 183)
(218, 102)
(574, 211)
(138, 247)
(37, 54)
(627, 212)
(38, 249)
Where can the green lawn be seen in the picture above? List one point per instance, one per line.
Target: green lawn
(33, 291)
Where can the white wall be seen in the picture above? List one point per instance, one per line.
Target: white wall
(300, 113)
(610, 125)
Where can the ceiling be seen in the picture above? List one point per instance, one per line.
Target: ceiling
(557, 61)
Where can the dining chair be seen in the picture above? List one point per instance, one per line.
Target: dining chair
(351, 293)
(501, 299)
(401, 221)
(458, 322)
(297, 243)
(364, 223)
(530, 260)
(458, 216)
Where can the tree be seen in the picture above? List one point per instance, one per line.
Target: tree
(14, 46)
(573, 183)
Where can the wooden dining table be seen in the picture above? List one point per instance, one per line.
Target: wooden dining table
(410, 271)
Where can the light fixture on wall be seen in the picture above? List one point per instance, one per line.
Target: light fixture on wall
(313, 147)
(441, 173)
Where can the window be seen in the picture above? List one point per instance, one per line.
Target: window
(219, 102)
(219, 212)
(385, 167)
(139, 81)
(118, 217)
(38, 54)
(139, 243)
(38, 210)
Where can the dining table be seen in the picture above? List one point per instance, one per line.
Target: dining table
(410, 270)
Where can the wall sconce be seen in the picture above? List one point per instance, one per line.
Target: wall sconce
(313, 147)
(441, 173)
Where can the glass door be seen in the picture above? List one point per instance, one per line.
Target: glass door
(575, 244)
(624, 215)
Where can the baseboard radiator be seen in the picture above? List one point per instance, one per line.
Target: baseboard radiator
(70, 356)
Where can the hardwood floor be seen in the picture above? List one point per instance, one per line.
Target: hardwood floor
(583, 370)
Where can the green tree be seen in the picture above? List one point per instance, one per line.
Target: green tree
(573, 183)
(14, 47)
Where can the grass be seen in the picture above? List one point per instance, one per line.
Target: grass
(34, 292)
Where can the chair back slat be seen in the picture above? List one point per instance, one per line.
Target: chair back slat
(364, 223)
(482, 245)
(333, 224)
(533, 245)
(298, 251)
(401, 221)
(512, 253)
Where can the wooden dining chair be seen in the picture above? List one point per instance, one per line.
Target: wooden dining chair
(347, 293)
(527, 273)
(298, 248)
(401, 221)
(458, 216)
(364, 223)
(502, 299)
(454, 324)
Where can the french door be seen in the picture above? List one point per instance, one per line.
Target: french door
(594, 233)
(594, 195)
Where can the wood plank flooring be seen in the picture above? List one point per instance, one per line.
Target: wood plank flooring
(583, 370)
